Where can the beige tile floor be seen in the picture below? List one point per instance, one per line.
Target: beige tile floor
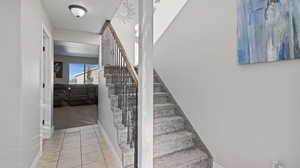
(81, 147)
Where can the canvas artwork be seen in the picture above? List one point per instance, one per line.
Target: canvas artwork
(268, 30)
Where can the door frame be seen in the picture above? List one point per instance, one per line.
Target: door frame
(47, 78)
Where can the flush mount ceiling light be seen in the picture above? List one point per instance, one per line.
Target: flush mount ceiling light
(77, 10)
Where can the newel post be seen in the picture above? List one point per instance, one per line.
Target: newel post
(145, 96)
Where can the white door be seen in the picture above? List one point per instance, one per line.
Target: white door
(44, 78)
(46, 93)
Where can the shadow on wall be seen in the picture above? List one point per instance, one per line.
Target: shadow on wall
(165, 13)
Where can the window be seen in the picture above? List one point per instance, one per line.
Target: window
(83, 74)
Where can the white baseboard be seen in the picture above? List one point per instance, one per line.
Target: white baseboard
(107, 139)
(36, 160)
(47, 132)
(216, 165)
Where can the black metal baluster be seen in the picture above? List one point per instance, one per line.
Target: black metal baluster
(116, 67)
(121, 89)
(115, 60)
(116, 74)
(112, 62)
(120, 82)
(116, 83)
(132, 116)
(136, 129)
(122, 94)
(128, 109)
(119, 70)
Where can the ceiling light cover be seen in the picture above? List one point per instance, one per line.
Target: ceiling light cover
(78, 11)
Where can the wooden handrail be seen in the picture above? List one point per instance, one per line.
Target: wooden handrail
(129, 66)
(106, 23)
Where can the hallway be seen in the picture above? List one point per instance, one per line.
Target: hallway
(81, 147)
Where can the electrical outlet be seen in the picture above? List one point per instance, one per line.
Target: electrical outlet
(277, 164)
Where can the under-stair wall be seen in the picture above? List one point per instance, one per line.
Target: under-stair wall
(106, 119)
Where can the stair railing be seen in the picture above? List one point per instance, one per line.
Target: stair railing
(125, 81)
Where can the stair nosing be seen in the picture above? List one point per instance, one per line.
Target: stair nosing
(159, 136)
(192, 149)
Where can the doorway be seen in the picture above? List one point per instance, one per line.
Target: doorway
(76, 78)
(46, 86)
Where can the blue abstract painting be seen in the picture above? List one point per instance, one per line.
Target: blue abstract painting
(268, 30)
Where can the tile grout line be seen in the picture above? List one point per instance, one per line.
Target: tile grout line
(104, 157)
(60, 152)
(81, 164)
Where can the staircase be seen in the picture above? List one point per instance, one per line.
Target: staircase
(174, 145)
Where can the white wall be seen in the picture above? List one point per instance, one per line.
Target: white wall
(125, 28)
(32, 18)
(10, 85)
(76, 36)
(21, 47)
(125, 22)
(106, 117)
(165, 13)
(246, 115)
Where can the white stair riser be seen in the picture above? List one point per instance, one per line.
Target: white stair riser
(197, 163)
(164, 111)
(168, 126)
